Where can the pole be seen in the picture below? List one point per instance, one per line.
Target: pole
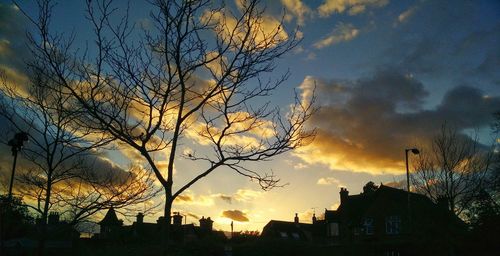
(232, 231)
(14, 152)
(408, 190)
(407, 172)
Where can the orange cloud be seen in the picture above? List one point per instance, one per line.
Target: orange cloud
(365, 125)
(236, 215)
(264, 31)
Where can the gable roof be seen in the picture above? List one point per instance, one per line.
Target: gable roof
(110, 218)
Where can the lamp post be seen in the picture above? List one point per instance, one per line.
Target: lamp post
(16, 143)
(416, 152)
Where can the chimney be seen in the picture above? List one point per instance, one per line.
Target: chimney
(53, 218)
(160, 220)
(314, 218)
(177, 219)
(343, 195)
(206, 224)
(140, 218)
(296, 219)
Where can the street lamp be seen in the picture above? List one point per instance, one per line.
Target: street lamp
(16, 143)
(416, 152)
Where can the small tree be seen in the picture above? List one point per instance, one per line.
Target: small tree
(195, 73)
(454, 167)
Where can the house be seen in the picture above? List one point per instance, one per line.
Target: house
(379, 221)
(112, 228)
(391, 221)
(288, 230)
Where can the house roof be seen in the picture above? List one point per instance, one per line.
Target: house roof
(288, 230)
(110, 218)
(380, 200)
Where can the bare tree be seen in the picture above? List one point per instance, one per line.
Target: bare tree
(455, 167)
(60, 153)
(196, 73)
(84, 197)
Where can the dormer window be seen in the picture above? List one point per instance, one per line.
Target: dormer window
(392, 225)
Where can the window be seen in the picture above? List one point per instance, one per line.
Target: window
(368, 226)
(392, 225)
(284, 234)
(295, 236)
(333, 229)
(391, 253)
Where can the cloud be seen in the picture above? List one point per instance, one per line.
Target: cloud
(298, 9)
(241, 195)
(329, 181)
(13, 25)
(404, 16)
(226, 198)
(265, 31)
(353, 7)
(306, 217)
(364, 125)
(245, 195)
(341, 33)
(236, 215)
(189, 198)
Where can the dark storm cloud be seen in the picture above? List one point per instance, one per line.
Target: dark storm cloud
(236, 215)
(382, 115)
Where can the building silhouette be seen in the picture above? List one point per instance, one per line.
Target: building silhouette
(113, 229)
(382, 220)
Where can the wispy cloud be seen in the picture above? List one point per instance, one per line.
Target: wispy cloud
(352, 7)
(406, 15)
(329, 181)
(342, 32)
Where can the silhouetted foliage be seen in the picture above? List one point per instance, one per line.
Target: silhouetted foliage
(369, 187)
(16, 220)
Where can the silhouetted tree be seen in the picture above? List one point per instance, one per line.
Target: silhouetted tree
(61, 153)
(369, 187)
(15, 218)
(195, 73)
(455, 167)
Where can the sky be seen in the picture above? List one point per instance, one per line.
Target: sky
(387, 75)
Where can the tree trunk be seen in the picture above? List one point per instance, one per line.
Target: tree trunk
(43, 221)
(166, 225)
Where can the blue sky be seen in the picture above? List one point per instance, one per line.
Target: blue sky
(388, 74)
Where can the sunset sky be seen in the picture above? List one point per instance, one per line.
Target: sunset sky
(387, 73)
